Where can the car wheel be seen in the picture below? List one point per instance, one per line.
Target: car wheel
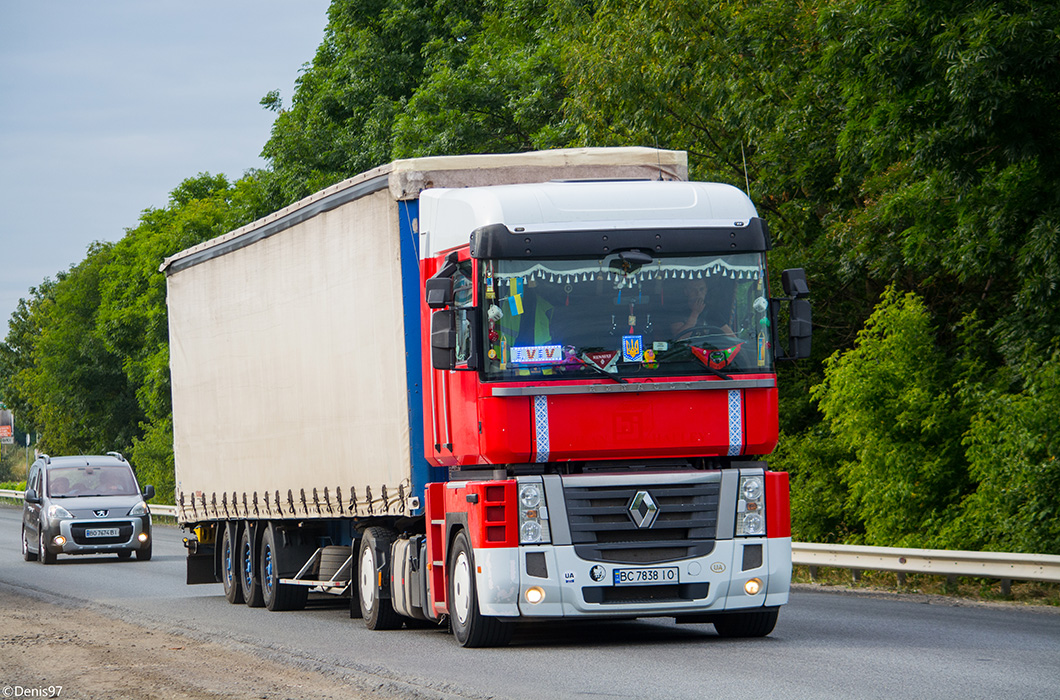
(248, 579)
(43, 555)
(277, 596)
(230, 571)
(377, 611)
(470, 627)
(26, 554)
(144, 554)
(125, 554)
(749, 624)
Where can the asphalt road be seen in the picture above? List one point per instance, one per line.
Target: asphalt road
(826, 645)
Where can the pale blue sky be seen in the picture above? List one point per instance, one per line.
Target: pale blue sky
(107, 105)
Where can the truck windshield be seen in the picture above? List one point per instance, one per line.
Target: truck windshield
(628, 317)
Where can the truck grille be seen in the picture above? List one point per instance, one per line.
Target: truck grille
(602, 527)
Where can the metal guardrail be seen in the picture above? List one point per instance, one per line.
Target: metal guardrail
(168, 511)
(939, 562)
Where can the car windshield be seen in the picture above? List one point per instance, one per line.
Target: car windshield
(70, 482)
(627, 315)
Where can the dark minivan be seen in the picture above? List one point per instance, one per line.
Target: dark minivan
(85, 504)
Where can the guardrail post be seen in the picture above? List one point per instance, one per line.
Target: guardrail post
(1006, 587)
(813, 573)
(856, 574)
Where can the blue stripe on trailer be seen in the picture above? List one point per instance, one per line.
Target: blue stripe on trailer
(411, 290)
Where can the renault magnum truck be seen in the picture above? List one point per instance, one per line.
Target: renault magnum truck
(484, 390)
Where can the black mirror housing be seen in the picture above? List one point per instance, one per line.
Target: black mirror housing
(443, 340)
(149, 492)
(439, 292)
(800, 329)
(794, 282)
(31, 496)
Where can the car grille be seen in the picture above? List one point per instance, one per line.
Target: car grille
(125, 531)
(603, 530)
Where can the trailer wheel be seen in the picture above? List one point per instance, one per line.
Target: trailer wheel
(470, 627)
(276, 595)
(373, 572)
(230, 564)
(748, 624)
(354, 587)
(248, 579)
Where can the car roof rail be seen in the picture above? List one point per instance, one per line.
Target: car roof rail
(117, 455)
(47, 458)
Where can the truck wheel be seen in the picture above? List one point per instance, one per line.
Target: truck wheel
(354, 587)
(43, 555)
(749, 624)
(471, 628)
(277, 596)
(372, 567)
(26, 554)
(248, 580)
(230, 565)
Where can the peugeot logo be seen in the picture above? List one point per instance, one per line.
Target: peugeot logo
(642, 509)
(100, 513)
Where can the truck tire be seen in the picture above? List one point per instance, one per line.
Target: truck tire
(355, 580)
(748, 624)
(230, 564)
(470, 627)
(276, 595)
(373, 559)
(248, 578)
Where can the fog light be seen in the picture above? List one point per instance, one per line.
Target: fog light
(535, 594)
(59, 540)
(142, 537)
(752, 587)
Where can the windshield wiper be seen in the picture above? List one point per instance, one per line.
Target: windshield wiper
(604, 372)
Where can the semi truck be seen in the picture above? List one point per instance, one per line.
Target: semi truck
(476, 391)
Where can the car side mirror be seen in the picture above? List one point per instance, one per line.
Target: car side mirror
(443, 340)
(32, 497)
(149, 492)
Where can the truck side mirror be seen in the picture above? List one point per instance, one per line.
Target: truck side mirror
(800, 329)
(439, 292)
(31, 496)
(794, 282)
(443, 340)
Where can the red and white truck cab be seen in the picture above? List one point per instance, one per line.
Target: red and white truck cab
(599, 380)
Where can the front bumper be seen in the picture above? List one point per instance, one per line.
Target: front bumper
(77, 541)
(706, 584)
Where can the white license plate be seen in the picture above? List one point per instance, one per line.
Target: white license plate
(643, 577)
(102, 532)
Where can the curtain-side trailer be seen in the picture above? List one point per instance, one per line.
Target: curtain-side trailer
(481, 390)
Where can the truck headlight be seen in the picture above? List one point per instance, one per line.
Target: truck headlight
(533, 513)
(751, 508)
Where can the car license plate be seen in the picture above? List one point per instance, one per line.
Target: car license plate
(642, 577)
(102, 532)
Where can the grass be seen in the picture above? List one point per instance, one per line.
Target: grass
(967, 587)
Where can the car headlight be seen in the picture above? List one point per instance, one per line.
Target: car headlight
(751, 508)
(533, 514)
(139, 509)
(57, 512)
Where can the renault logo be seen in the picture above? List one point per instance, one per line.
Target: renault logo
(642, 509)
